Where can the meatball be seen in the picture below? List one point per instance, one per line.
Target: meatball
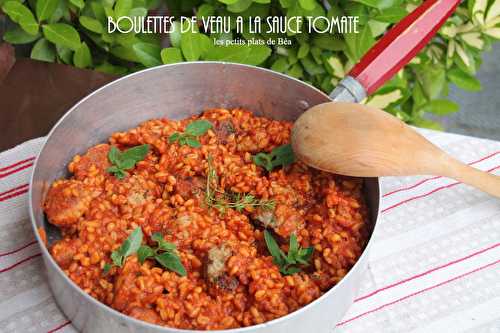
(223, 130)
(64, 250)
(215, 269)
(67, 201)
(189, 186)
(283, 220)
(148, 315)
(95, 161)
(125, 284)
(128, 293)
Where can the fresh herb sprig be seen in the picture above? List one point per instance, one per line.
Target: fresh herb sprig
(222, 201)
(290, 263)
(280, 156)
(165, 253)
(191, 134)
(128, 247)
(125, 160)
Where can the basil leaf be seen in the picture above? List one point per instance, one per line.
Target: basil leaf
(296, 255)
(144, 252)
(116, 171)
(304, 255)
(283, 155)
(43, 51)
(114, 154)
(19, 36)
(174, 137)
(126, 164)
(263, 160)
(274, 249)
(132, 243)
(290, 270)
(117, 258)
(45, 8)
(112, 169)
(120, 174)
(172, 262)
(162, 243)
(157, 237)
(192, 142)
(62, 34)
(279, 156)
(106, 268)
(137, 153)
(293, 249)
(198, 127)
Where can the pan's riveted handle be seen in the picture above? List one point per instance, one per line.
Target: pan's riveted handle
(398, 46)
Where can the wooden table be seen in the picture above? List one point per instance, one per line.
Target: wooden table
(34, 95)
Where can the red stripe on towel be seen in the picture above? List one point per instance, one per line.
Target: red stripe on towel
(19, 263)
(418, 292)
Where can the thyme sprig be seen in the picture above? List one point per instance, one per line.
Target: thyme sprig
(222, 200)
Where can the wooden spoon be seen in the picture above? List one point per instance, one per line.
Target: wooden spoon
(357, 140)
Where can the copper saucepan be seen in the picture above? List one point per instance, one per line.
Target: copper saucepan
(181, 90)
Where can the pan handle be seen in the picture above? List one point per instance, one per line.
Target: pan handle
(394, 50)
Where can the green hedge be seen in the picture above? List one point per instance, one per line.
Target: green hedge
(75, 32)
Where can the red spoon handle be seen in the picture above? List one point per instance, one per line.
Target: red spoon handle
(402, 43)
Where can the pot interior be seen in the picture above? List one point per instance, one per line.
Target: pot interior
(172, 91)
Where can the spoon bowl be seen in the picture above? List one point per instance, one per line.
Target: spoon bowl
(358, 140)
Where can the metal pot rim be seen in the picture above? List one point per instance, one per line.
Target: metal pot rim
(114, 312)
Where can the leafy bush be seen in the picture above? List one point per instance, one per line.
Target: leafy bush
(75, 32)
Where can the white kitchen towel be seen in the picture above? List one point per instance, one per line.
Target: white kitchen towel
(434, 266)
